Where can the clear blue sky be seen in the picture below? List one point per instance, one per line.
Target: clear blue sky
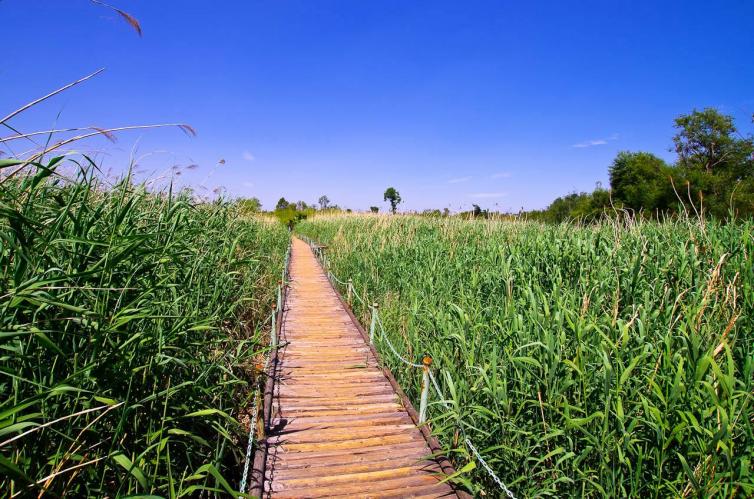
(452, 103)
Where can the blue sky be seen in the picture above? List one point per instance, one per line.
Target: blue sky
(501, 103)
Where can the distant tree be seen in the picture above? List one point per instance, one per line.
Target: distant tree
(251, 205)
(583, 206)
(432, 213)
(714, 172)
(708, 140)
(640, 180)
(374, 209)
(324, 202)
(301, 205)
(476, 211)
(446, 212)
(394, 197)
(349, 210)
(282, 204)
(716, 162)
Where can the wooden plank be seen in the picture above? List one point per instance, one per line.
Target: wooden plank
(337, 434)
(345, 478)
(381, 462)
(359, 488)
(338, 425)
(414, 492)
(365, 455)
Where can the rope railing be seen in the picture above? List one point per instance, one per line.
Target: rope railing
(427, 376)
(392, 348)
(277, 306)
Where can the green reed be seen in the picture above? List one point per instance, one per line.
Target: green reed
(131, 322)
(606, 360)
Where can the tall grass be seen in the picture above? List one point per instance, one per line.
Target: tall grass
(130, 325)
(610, 360)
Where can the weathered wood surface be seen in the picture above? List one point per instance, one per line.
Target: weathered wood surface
(338, 427)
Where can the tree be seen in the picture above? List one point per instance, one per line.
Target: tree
(301, 205)
(282, 204)
(577, 206)
(324, 202)
(252, 205)
(640, 180)
(374, 209)
(707, 140)
(716, 162)
(393, 197)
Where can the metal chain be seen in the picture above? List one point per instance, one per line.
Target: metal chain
(255, 407)
(489, 470)
(242, 486)
(469, 444)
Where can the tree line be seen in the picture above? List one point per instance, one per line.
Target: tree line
(713, 175)
(290, 213)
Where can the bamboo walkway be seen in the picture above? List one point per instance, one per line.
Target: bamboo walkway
(340, 426)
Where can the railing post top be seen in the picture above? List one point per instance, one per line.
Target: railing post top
(427, 361)
(274, 306)
(375, 305)
(350, 280)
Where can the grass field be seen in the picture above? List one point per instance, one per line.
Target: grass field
(605, 360)
(131, 322)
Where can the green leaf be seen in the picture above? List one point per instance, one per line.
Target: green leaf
(131, 468)
(207, 412)
(471, 465)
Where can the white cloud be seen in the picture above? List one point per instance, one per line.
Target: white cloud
(597, 142)
(501, 175)
(590, 143)
(248, 156)
(483, 195)
(459, 180)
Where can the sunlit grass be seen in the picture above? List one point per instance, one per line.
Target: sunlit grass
(130, 322)
(608, 360)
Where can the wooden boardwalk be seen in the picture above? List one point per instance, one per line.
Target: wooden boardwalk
(338, 425)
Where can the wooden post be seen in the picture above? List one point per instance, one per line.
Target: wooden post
(426, 361)
(373, 324)
(350, 292)
(273, 331)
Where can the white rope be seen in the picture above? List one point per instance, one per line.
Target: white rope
(338, 280)
(384, 336)
(358, 297)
